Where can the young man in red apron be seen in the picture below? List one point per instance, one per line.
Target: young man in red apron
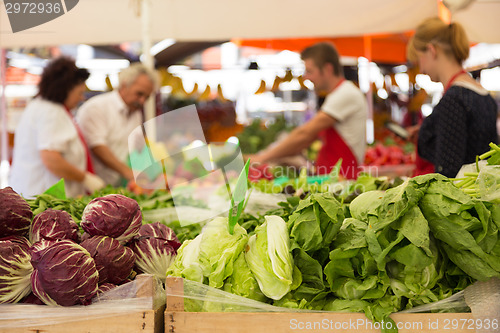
(340, 121)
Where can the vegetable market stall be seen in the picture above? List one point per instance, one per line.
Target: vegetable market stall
(109, 278)
(137, 306)
(425, 245)
(256, 318)
(423, 242)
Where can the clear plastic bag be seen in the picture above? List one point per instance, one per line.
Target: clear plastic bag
(481, 298)
(144, 293)
(488, 182)
(171, 214)
(198, 297)
(260, 202)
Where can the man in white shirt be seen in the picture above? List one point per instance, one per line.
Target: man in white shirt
(108, 119)
(340, 122)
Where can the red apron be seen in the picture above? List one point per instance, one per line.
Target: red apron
(333, 149)
(422, 166)
(90, 167)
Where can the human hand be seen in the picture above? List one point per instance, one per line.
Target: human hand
(92, 183)
(413, 132)
(128, 174)
(254, 159)
(134, 188)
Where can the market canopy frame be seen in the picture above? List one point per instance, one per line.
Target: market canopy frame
(98, 22)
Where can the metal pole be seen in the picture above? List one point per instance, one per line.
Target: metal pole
(148, 60)
(367, 42)
(4, 158)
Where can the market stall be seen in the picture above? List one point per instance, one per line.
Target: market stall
(391, 251)
(297, 246)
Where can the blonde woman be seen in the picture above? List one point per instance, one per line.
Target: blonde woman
(463, 123)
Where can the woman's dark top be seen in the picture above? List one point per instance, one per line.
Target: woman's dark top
(461, 126)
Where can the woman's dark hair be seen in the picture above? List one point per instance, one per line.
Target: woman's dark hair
(59, 77)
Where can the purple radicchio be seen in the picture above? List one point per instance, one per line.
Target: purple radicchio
(113, 215)
(15, 213)
(155, 248)
(105, 287)
(42, 244)
(32, 299)
(15, 269)
(114, 261)
(53, 224)
(64, 274)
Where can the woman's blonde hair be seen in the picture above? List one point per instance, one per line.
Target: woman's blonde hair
(451, 38)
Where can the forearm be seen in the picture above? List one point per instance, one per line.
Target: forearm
(299, 139)
(60, 167)
(104, 154)
(293, 144)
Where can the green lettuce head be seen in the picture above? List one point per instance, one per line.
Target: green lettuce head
(211, 255)
(269, 258)
(242, 282)
(219, 250)
(186, 264)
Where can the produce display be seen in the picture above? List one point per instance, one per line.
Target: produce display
(390, 152)
(59, 261)
(258, 136)
(302, 184)
(483, 178)
(386, 251)
(374, 245)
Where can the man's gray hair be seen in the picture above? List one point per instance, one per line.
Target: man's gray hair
(128, 75)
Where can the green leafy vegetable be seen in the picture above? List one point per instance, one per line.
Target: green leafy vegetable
(269, 258)
(238, 197)
(242, 282)
(316, 221)
(211, 255)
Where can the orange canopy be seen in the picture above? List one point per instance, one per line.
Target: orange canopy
(389, 48)
(386, 48)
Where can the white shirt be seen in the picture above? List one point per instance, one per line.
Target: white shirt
(347, 104)
(105, 120)
(44, 125)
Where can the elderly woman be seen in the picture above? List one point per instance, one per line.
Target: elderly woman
(48, 144)
(463, 123)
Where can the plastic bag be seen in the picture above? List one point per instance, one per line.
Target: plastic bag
(481, 298)
(144, 293)
(199, 297)
(171, 214)
(260, 202)
(488, 182)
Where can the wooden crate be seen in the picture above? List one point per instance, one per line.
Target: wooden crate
(146, 321)
(178, 321)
